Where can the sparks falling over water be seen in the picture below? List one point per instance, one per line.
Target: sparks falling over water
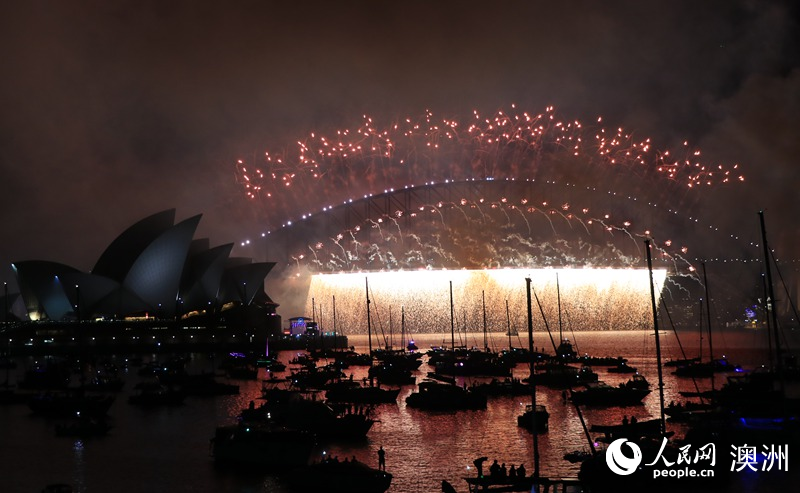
(592, 299)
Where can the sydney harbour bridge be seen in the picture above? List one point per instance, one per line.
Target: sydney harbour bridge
(481, 224)
(580, 242)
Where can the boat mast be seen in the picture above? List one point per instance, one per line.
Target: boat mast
(369, 323)
(771, 302)
(662, 424)
(5, 327)
(402, 327)
(533, 384)
(547, 326)
(708, 316)
(765, 308)
(508, 323)
(773, 317)
(700, 356)
(321, 334)
(485, 339)
(558, 297)
(452, 322)
(334, 323)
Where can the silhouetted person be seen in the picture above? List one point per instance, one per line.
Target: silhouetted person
(381, 459)
(625, 421)
(494, 469)
(503, 471)
(512, 473)
(633, 420)
(521, 471)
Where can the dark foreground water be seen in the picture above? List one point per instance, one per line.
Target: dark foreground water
(167, 449)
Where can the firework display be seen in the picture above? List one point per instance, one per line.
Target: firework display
(322, 171)
(513, 191)
(591, 299)
(516, 189)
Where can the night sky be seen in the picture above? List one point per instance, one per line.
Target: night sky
(114, 110)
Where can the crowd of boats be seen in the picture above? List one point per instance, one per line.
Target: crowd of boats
(316, 398)
(319, 390)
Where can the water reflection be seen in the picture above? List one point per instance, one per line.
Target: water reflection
(79, 466)
(168, 449)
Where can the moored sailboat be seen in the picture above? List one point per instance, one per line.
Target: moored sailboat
(602, 394)
(440, 396)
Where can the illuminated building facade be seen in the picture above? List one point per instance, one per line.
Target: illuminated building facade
(154, 269)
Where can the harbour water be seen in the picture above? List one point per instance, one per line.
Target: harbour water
(167, 449)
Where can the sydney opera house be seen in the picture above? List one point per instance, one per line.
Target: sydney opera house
(154, 274)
